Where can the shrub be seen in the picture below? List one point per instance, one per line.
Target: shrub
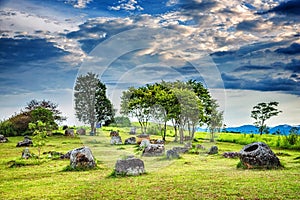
(7, 129)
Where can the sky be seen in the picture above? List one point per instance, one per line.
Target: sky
(244, 52)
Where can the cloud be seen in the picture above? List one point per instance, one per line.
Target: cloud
(78, 3)
(127, 5)
(291, 7)
(294, 48)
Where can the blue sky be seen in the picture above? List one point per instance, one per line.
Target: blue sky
(245, 52)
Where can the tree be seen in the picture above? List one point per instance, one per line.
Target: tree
(91, 103)
(215, 119)
(40, 130)
(262, 112)
(53, 107)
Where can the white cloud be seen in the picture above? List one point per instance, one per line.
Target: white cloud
(129, 5)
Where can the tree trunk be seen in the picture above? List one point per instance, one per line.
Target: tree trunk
(165, 131)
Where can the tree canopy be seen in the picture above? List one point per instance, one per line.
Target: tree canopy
(186, 104)
(262, 112)
(91, 103)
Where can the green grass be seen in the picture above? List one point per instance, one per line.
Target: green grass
(193, 176)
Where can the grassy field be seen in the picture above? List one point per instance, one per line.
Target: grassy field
(193, 176)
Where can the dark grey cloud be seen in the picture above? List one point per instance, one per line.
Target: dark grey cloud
(251, 67)
(248, 25)
(291, 7)
(291, 50)
(32, 64)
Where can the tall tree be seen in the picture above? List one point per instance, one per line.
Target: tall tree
(91, 103)
(214, 119)
(262, 112)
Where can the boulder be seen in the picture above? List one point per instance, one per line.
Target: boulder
(142, 137)
(130, 167)
(230, 154)
(258, 155)
(69, 132)
(81, 131)
(144, 143)
(114, 133)
(25, 143)
(199, 146)
(132, 131)
(116, 140)
(131, 140)
(171, 154)
(26, 153)
(3, 139)
(82, 158)
(154, 150)
(213, 150)
(157, 141)
(180, 150)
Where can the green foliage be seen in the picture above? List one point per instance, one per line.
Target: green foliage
(121, 121)
(91, 103)
(262, 112)
(40, 130)
(7, 129)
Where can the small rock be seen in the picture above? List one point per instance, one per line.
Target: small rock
(3, 139)
(26, 154)
(132, 131)
(69, 132)
(114, 133)
(180, 149)
(130, 167)
(131, 140)
(154, 150)
(199, 146)
(25, 143)
(116, 140)
(230, 154)
(81, 131)
(171, 154)
(82, 158)
(213, 150)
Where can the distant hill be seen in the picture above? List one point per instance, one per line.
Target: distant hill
(280, 129)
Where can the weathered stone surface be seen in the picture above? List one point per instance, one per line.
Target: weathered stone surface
(258, 155)
(132, 131)
(25, 143)
(131, 140)
(199, 146)
(142, 137)
(69, 132)
(82, 158)
(154, 150)
(66, 156)
(116, 140)
(130, 167)
(114, 133)
(180, 150)
(26, 153)
(171, 154)
(230, 154)
(81, 131)
(213, 150)
(144, 143)
(188, 145)
(157, 141)
(3, 139)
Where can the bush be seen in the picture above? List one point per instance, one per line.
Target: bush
(7, 129)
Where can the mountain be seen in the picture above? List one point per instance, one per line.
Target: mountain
(280, 129)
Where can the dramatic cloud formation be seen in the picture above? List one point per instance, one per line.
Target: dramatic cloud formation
(253, 46)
